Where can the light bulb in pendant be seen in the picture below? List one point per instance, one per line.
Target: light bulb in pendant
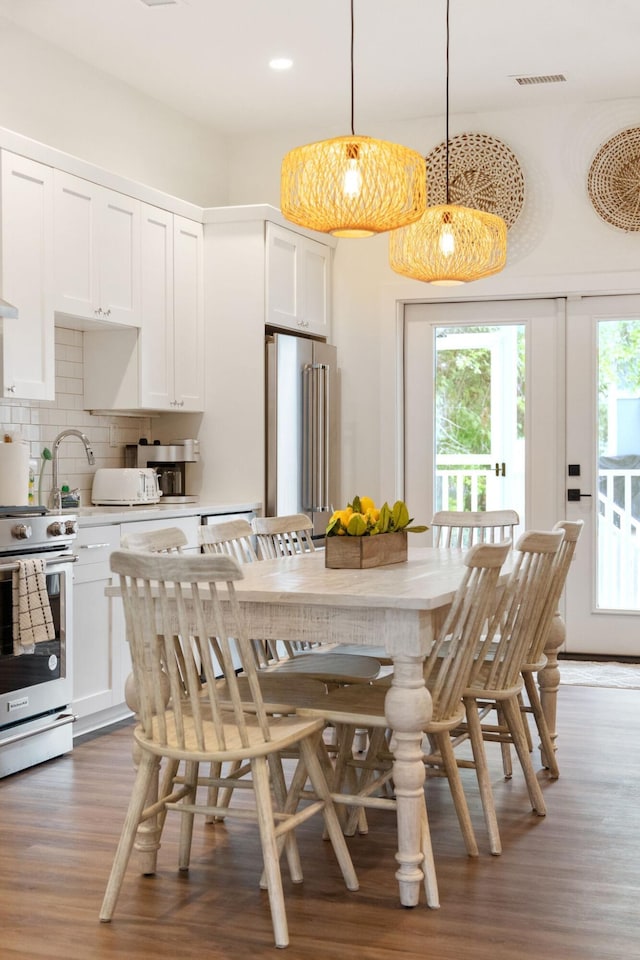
(352, 184)
(446, 240)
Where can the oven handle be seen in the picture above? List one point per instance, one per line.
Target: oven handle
(61, 721)
(66, 558)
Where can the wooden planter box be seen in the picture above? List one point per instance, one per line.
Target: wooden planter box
(359, 553)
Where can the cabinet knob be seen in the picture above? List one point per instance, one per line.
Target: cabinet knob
(107, 313)
(12, 388)
(98, 311)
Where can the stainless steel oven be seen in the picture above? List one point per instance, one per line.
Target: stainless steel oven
(36, 687)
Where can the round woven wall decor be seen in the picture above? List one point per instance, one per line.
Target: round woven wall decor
(483, 173)
(614, 180)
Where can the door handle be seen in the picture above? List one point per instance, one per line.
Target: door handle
(574, 494)
(501, 469)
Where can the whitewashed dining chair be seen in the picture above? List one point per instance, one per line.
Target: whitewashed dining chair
(536, 659)
(286, 536)
(496, 681)
(163, 540)
(358, 782)
(462, 528)
(182, 720)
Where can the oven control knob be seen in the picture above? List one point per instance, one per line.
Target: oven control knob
(55, 529)
(71, 526)
(22, 531)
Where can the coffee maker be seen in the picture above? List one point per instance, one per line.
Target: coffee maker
(170, 463)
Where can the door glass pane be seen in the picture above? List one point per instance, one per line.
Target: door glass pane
(618, 553)
(479, 424)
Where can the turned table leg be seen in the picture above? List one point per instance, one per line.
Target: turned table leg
(549, 679)
(408, 710)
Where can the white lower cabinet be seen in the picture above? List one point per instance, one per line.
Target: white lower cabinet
(101, 659)
(100, 656)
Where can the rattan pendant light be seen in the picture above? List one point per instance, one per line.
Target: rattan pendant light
(353, 186)
(450, 244)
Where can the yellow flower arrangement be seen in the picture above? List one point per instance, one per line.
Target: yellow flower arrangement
(361, 518)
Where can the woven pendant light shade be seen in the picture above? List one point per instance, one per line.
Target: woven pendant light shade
(353, 186)
(449, 245)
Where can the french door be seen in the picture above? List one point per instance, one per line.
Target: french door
(603, 460)
(483, 408)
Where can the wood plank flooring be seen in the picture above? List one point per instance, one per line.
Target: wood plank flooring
(567, 886)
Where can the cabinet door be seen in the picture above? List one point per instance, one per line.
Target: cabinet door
(28, 359)
(97, 251)
(118, 254)
(298, 281)
(96, 670)
(314, 261)
(156, 334)
(76, 277)
(188, 315)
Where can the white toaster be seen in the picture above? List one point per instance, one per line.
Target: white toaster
(125, 486)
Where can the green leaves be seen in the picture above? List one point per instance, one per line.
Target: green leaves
(362, 519)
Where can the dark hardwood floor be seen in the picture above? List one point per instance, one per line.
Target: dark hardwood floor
(567, 886)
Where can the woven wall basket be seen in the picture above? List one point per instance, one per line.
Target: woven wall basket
(614, 180)
(483, 173)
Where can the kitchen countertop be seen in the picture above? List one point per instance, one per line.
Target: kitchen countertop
(96, 516)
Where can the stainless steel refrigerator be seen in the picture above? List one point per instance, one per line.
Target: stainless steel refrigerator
(301, 430)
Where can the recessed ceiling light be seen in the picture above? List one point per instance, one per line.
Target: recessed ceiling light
(281, 63)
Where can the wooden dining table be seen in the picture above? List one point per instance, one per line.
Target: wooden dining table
(400, 606)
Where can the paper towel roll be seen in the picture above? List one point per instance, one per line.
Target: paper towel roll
(14, 474)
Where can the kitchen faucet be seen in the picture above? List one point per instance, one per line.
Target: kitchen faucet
(55, 500)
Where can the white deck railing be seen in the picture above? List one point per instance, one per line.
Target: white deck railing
(618, 540)
(462, 487)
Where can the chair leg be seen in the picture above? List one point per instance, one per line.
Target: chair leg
(547, 749)
(147, 773)
(514, 720)
(445, 748)
(482, 773)
(428, 862)
(269, 846)
(507, 767)
(287, 840)
(308, 749)
(186, 819)
(523, 710)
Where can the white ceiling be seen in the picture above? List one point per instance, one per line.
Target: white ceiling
(209, 59)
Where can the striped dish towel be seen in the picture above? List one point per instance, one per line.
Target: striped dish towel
(32, 618)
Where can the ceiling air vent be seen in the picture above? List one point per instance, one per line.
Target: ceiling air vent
(545, 78)
(158, 3)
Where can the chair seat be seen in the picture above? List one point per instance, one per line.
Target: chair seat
(328, 667)
(202, 740)
(278, 696)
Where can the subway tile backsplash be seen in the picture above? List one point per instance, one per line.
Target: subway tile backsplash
(39, 422)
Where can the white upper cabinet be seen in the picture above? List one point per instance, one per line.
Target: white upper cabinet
(298, 278)
(26, 281)
(188, 314)
(172, 334)
(97, 244)
(159, 366)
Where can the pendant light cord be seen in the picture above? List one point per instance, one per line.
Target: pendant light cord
(353, 132)
(446, 152)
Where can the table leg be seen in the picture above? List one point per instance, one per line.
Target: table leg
(549, 678)
(408, 710)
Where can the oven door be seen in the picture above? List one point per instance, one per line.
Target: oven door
(35, 688)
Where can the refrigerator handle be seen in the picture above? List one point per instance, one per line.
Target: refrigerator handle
(315, 468)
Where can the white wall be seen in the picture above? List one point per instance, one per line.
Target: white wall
(54, 98)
